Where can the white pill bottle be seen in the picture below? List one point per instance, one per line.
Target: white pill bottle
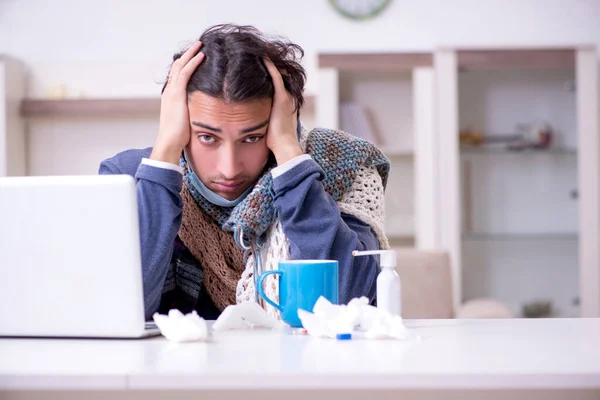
(389, 294)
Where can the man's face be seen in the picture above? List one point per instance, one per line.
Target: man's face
(228, 147)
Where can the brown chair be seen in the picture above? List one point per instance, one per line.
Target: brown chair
(427, 288)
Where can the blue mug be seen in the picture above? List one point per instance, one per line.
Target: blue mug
(301, 283)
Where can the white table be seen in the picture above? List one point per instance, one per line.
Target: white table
(471, 355)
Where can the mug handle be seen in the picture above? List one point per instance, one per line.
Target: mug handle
(261, 279)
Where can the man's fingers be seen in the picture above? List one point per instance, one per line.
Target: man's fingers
(182, 61)
(190, 67)
(276, 76)
(189, 54)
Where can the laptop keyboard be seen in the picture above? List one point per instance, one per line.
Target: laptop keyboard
(150, 325)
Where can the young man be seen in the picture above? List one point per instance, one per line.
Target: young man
(233, 184)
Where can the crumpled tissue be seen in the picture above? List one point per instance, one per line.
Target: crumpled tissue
(181, 328)
(328, 320)
(247, 315)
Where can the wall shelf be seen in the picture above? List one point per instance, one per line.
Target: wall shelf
(515, 58)
(133, 107)
(519, 236)
(524, 152)
(105, 108)
(375, 61)
(472, 59)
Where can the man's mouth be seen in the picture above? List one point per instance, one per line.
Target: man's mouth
(228, 187)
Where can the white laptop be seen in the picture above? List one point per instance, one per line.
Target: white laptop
(70, 258)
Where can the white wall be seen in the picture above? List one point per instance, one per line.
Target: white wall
(122, 48)
(119, 48)
(77, 146)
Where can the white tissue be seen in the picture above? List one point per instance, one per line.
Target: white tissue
(329, 320)
(384, 325)
(247, 315)
(181, 328)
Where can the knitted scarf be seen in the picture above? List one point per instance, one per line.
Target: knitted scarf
(226, 241)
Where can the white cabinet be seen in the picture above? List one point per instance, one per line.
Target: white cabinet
(388, 100)
(12, 127)
(521, 226)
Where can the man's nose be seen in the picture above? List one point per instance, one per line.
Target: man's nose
(229, 163)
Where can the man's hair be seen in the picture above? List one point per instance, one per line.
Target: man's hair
(233, 69)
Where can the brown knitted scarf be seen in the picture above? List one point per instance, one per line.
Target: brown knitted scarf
(221, 259)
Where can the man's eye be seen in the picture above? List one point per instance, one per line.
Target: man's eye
(252, 139)
(206, 139)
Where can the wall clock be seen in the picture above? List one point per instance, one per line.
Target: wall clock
(359, 9)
